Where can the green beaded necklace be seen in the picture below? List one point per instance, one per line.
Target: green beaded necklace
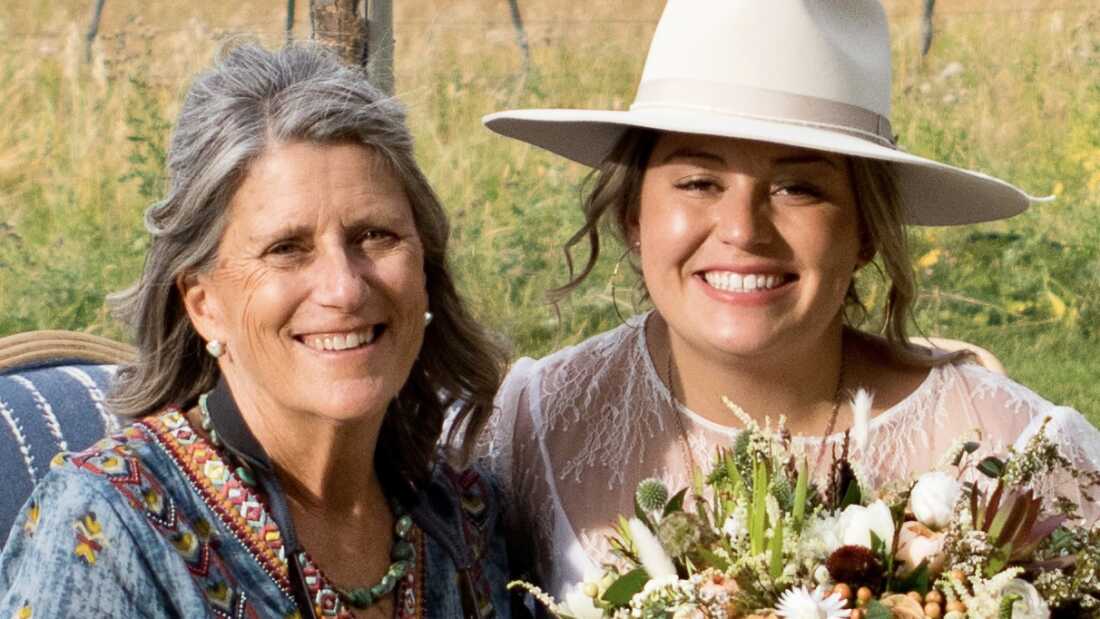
(402, 555)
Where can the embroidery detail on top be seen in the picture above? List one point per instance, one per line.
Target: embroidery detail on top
(114, 459)
(31, 525)
(89, 538)
(410, 591)
(245, 514)
(472, 492)
(234, 504)
(24, 612)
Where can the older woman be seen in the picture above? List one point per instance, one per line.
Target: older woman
(300, 339)
(753, 177)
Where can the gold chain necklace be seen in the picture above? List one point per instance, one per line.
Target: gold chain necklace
(685, 447)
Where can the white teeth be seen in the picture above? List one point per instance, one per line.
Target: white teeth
(342, 341)
(736, 282)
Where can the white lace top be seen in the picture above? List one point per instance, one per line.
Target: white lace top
(577, 430)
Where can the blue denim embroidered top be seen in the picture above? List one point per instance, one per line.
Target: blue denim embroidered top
(152, 522)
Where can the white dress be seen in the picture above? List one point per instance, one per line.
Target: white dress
(576, 431)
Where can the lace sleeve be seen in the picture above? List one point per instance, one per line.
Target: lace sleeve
(1010, 415)
(1079, 442)
(509, 450)
(496, 445)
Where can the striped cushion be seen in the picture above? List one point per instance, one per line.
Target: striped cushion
(44, 410)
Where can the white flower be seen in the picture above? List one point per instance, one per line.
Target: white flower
(933, 499)
(799, 603)
(580, 605)
(822, 532)
(734, 527)
(861, 413)
(1030, 605)
(652, 555)
(856, 523)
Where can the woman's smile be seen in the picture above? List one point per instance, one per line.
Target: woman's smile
(747, 285)
(342, 341)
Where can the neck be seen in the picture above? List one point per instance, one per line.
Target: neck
(325, 466)
(798, 383)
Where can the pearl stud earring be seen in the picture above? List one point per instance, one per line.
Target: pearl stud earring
(215, 348)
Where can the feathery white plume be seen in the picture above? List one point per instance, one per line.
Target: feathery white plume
(650, 553)
(861, 414)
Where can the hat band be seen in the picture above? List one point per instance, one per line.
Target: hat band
(762, 104)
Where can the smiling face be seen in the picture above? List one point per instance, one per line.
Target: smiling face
(318, 290)
(747, 248)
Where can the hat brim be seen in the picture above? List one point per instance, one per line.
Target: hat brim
(932, 193)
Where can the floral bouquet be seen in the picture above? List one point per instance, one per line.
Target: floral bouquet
(758, 538)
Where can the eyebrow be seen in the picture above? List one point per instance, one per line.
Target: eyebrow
(690, 153)
(288, 231)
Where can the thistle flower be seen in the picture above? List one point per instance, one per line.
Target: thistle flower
(650, 553)
(680, 532)
(652, 494)
(800, 603)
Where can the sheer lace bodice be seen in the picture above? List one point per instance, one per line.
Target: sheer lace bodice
(577, 430)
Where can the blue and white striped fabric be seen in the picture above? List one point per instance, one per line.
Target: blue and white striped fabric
(44, 410)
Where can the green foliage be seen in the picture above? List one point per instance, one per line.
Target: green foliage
(624, 588)
(83, 159)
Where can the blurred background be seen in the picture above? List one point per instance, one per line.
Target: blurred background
(1009, 87)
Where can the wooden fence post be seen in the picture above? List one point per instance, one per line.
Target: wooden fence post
(93, 29)
(289, 21)
(926, 27)
(337, 25)
(521, 35)
(378, 51)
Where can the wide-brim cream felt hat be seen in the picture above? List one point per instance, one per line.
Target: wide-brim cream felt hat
(807, 73)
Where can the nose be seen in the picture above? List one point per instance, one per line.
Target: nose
(743, 215)
(340, 280)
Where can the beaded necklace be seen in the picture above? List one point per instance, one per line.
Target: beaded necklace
(402, 553)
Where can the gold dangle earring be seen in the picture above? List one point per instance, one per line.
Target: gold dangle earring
(636, 246)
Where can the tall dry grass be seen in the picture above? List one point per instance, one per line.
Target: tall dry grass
(1012, 87)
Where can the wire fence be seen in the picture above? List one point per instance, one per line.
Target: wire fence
(277, 28)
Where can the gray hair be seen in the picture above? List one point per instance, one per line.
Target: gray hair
(249, 101)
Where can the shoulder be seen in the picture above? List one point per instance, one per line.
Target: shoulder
(983, 387)
(129, 455)
(591, 355)
(76, 529)
(579, 373)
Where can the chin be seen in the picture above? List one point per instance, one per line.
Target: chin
(347, 405)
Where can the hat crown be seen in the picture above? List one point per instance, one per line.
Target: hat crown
(837, 50)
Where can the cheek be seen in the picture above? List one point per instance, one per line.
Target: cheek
(258, 301)
(669, 236)
(404, 280)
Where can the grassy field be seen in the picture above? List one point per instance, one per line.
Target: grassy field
(1011, 87)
